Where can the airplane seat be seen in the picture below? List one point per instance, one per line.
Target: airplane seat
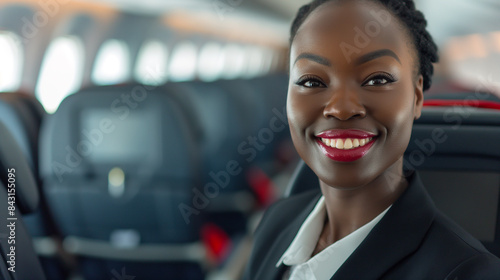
(274, 89)
(244, 121)
(226, 122)
(20, 194)
(472, 97)
(15, 116)
(34, 105)
(271, 91)
(22, 114)
(120, 165)
(456, 151)
(475, 99)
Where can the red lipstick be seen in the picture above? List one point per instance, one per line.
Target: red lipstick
(355, 152)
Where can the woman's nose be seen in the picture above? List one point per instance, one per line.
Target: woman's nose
(344, 105)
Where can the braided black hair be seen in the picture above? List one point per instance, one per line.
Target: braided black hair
(413, 19)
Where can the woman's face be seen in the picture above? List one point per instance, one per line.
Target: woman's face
(353, 92)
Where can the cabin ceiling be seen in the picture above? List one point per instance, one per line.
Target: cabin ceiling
(447, 18)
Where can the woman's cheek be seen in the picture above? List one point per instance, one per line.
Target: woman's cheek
(397, 118)
(301, 116)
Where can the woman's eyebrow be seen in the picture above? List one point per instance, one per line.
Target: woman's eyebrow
(376, 54)
(314, 57)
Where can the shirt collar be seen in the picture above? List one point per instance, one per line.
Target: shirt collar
(304, 243)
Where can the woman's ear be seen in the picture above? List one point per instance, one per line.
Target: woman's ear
(419, 97)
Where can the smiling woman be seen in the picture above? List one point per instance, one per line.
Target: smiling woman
(357, 75)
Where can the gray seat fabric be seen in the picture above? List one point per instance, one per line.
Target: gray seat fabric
(27, 265)
(23, 114)
(117, 163)
(235, 119)
(11, 156)
(11, 117)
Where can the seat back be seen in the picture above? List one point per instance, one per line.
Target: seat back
(457, 153)
(271, 91)
(241, 124)
(224, 124)
(117, 163)
(16, 117)
(19, 192)
(22, 114)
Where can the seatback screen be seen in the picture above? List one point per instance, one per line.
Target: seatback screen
(109, 138)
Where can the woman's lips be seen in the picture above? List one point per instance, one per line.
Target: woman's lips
(345, 145)
(345, 133)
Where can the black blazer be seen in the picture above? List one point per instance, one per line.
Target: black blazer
(413, 240)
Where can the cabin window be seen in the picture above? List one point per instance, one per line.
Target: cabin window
(61, 71)
(112, 64)
(268, 60)
(255, 58)
(211, 62)
(183, 63)
(234, 62)
(11, 57)
(151, 68)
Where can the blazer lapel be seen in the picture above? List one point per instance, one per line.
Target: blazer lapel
(397, 235)
(282, 242)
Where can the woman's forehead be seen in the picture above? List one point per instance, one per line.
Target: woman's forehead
(351, 28)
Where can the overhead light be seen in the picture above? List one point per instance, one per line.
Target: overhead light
(495, 38)
(455, 49)
(477, 45)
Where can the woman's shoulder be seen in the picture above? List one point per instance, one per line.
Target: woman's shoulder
(480, 266)
(455, 248)
(454, 236)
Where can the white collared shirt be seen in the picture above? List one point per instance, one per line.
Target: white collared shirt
(325, 264)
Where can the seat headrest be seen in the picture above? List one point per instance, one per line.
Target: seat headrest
(16, 127)
(11, 157)
(95, 130)
(303, 179)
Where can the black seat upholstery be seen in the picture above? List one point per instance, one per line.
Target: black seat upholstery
(224, 124)
(117, 163)
(236, 118)
(457, 153)
(271, 91)
(16, 177)
(23, 114)
(16, 116)
(472, 97)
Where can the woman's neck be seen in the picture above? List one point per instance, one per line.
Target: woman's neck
(348, 210)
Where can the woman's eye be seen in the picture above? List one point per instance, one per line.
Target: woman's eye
(310, 83)
(379, 81)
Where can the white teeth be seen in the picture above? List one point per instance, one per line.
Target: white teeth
(346, 144)
(355, 142)
(339, 144)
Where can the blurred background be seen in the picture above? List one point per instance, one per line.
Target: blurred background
(152, 41)
(156, 130)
